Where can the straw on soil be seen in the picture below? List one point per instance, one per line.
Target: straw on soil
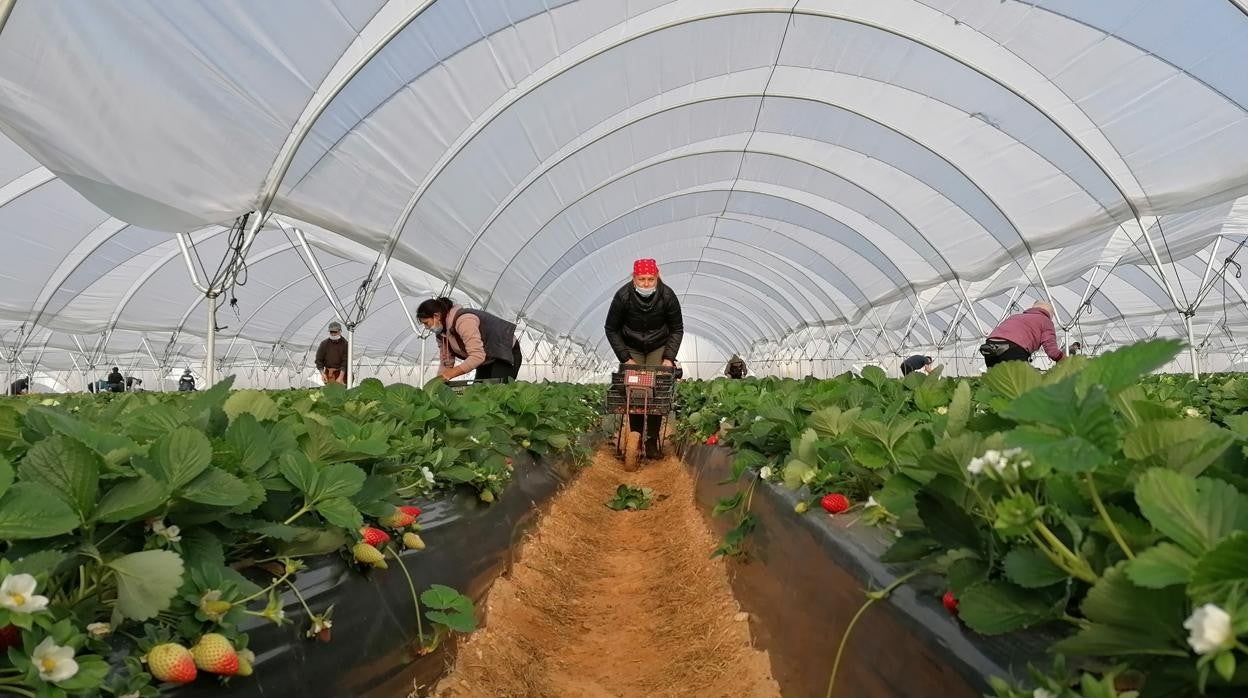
(608, 603)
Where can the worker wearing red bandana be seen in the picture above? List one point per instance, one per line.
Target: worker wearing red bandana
(645, 325)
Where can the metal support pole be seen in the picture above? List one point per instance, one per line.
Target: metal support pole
(971, 305)
(350, 353)
(6, 9)
(210, 367)
(1191, 344)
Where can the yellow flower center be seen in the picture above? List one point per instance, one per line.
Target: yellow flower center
(47, 665)
(18, 599)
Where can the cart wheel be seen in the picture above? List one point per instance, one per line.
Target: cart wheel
(632, 450)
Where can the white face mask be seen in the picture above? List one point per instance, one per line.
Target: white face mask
(644, 292)
(335, 338)
(437, 330)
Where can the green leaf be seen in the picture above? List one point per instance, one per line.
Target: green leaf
(909, 549)
(874, 375)
(249, 443)
(6, 475)
(1122, 368)
(1030, 569)
(1196, 513)
(947, 522)
(339, 511)
(442, 598)
(745, 459)
(309, 541)
(29, 510)
(1222, 567)
(132, 498)
(298, 471)
(1128, 619)
(458, 474)
(180, 456)
(146, 582)
(959, 409)
(252, 402)
(831, 422)
(459, 622)
(964, 573)
(338, 480)
(1011, 379)
(1186, 445)
(68, 468)
(993, 608)
(215, 487)
(793, 473)
(1063, 454)
(1160, 566)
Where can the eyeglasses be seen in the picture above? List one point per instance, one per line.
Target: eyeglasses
(333, 332)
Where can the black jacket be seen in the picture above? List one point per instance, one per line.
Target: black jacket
(332, 354)
(645, 324)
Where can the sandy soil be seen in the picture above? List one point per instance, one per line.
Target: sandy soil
(607, 603)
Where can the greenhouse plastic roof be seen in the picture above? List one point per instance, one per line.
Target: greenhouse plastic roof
(912, 169)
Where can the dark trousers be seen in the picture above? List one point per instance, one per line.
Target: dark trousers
(1014, 353)
(502, 369)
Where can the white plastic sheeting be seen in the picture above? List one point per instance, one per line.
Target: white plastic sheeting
(825, 177)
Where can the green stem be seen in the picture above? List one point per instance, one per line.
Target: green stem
(262, 592)
(1053, 557)
(302, 510)
(1080, 567)
(872, 597)
(300, 597)
(1100, 509)
(411, 586)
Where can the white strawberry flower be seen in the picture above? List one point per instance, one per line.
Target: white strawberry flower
(1043, 693)
(942, 410)
(1192, 412)
(1210, 629)
(173, 534)
(55, 663)
(424, 470)
(765, 473)
(17, 594)
(976, 466)
(870, 503)
(99, 630)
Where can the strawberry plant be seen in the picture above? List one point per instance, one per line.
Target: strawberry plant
(631, 498)
(1106, 504)
(134, 521)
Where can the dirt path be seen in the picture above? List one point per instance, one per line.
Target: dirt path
(607, 603)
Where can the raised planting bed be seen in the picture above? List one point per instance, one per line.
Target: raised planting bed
(802, 579)
(374, 647)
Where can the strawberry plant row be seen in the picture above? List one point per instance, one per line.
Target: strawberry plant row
(142, 535)
(1096, 503)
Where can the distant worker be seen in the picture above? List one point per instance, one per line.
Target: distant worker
(134, 384)
(645, 327)
(21, 386)
(331, 356)
(736, 368)
(918, 362)
(481, 341)
(186, 383)
(116, 382)
(1019, 336)
(1075, 349)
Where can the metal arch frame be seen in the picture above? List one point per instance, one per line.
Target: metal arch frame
(783, 300)
(698, 300)
(611, 291)
(581, 147)
(779, 279)
(477, 126)
(865, 238)
(704, 192)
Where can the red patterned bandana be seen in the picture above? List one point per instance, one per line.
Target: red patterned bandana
(645, 267)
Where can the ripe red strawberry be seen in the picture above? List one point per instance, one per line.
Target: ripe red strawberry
(368, 555)
(10, 636)
(834, 503)
(712, 439)
(374, 536)
(215, 655)
(411, 511)
(951, 602)
(172, 663)
(398, 519)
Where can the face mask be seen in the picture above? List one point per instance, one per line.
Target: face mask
(437, 330)
(335, 339)
(644, 292)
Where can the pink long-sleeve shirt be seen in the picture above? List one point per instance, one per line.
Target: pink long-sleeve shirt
(1030, 329)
